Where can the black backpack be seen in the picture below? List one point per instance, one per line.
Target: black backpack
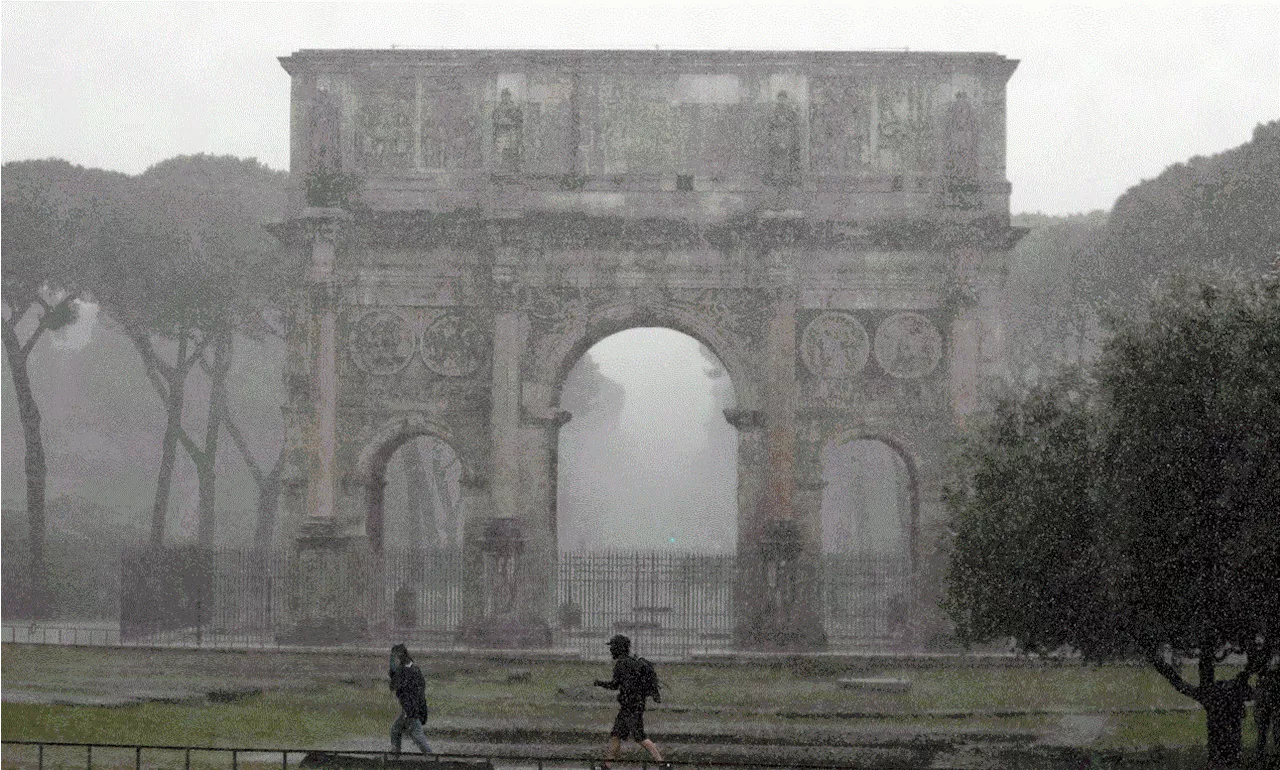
(647, 679)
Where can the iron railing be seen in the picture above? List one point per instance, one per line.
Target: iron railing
(672, 604)
(58, 755)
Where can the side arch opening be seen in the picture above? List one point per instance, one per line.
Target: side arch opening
(414, 520)
(869, 512)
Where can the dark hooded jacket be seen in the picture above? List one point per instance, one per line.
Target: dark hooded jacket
(411, 689)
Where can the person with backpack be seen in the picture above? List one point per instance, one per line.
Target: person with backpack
(635, 681)
(410, 687)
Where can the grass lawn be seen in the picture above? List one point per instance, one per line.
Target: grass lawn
(270, 699)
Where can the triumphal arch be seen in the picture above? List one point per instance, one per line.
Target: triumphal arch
(832, 225)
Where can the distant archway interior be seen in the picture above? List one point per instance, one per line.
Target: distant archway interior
(647, 461)
(421, 501)
(867, 520)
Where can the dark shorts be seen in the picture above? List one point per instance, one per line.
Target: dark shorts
(629, 724)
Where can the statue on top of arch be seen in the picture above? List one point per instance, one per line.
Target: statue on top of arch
(782, 138)
(960, 187)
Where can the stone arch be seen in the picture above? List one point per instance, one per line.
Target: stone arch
(370, 472)
(904, 452)
(561, 353)
(871, 596)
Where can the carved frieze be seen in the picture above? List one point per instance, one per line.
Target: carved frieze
(324, 132)
(835, 345)
(733, 313)
(908, 345)
(454, 345)
(385, 126)
(381, 342)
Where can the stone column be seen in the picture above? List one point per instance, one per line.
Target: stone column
(508, 344)
(781, 556)
(330, 574)
(540, 455)
(325, 291)
(749, 577)
(505, 542)
(780, 396)
(807, 630)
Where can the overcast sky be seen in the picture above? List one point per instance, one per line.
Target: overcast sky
(1103, 98)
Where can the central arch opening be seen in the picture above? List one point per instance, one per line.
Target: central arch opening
(647, 516)
(648, 461)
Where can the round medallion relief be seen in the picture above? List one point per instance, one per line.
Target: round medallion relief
(908, 345)
(453, 346)
(381, 342)
(834, 345)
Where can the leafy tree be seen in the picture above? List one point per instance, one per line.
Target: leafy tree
(51, 210)
(1050, 322)
(1209, 214)
(1136, 512)
(187, 266)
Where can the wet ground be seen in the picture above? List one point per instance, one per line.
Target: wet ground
(689, 738)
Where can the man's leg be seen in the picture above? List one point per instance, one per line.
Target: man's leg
(414, 728)
(611, 753)
(652, 749)
(397, 730)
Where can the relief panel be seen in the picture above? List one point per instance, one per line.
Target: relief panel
(450, 133)
(384, 124)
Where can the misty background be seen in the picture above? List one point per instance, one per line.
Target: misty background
(1121, 126)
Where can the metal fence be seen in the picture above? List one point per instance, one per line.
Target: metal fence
(865, 599)
(55, 755)
(672, 604)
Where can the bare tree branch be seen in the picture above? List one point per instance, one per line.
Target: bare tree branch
(234, 431)
(1170, 672)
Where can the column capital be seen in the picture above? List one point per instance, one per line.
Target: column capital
(745, 419)
(553, 418)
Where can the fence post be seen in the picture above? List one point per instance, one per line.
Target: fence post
(137, 757)
(40, 757)
(88, 758)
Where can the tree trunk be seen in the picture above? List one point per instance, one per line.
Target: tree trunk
(36, 599)
(171, 388)
(268, 504)
(1224, 717)
(206, 459)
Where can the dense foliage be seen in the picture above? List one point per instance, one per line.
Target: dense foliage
(1214, 214)
(1134, 510)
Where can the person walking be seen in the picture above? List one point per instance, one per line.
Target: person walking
(410, 688)
(635, 681)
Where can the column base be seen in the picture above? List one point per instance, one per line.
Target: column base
(329, 588)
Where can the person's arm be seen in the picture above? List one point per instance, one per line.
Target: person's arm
(614, 683)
